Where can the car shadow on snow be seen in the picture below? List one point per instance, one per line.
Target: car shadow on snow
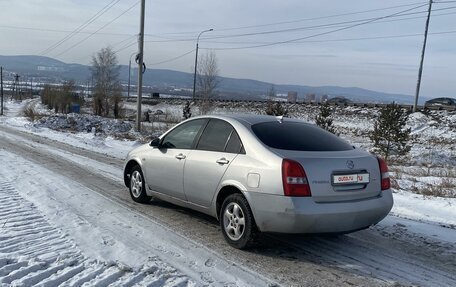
(287, 248)
(362, 254)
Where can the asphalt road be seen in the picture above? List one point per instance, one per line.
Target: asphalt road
(378, 256)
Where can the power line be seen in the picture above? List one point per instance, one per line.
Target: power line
(59, 31)
(298, 20)
(123, 41)
(341, 39)
(191, 39)
(323, 33)
(178, 40)
(361, 21)
(125, 47)
(82, 26)
(319, 18)
(257, 42)
(314, 27)
(102, 27)
(173, 59)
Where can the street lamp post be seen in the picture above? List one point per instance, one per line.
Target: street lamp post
(196, 59)
(129, 72)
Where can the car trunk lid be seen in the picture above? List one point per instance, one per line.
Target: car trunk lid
(338, 175)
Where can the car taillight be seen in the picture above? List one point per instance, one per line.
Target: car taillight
(294, 179)
(385, 179)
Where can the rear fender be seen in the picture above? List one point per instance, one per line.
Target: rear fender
(239, 186)
(227, 183)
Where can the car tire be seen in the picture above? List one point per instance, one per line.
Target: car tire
(237, 222)
(138, 186)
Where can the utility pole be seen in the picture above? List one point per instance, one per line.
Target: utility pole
(16, 85)
(140, 65)
(1, 88)
(420, 71)
(91, 87)
(129, 76)
(196, 60)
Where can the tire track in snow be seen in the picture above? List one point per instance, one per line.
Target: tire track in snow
(365, 258)
(33, 252)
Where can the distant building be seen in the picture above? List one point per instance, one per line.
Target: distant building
(50, 69)
(292, 97)
(310, 98)
(324, 98)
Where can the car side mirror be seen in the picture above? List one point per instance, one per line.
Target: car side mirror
(155, 143)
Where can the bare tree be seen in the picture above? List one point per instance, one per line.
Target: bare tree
(271, 94)
(207, 80)
(107, 95)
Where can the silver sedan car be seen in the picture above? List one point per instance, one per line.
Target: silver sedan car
(262, 174)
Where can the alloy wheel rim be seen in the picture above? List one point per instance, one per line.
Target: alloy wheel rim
(234, 221)
(136, 183)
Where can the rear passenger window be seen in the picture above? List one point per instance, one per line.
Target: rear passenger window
(234, 143)
(298, 136)
(215, 136)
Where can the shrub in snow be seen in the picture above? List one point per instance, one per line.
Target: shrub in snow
(324, 120)
(187, 113)
(390, 136)
(276, 109)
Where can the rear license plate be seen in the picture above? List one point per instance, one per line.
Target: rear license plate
(362, 178)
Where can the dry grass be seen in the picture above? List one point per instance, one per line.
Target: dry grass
(443, 180)
(166, 117)
(31, 114)
(125, 136)
(440, 190)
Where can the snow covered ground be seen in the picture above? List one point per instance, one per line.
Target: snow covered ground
(356, 121)
(51, 235)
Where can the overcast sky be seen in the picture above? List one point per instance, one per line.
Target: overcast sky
(363, 43)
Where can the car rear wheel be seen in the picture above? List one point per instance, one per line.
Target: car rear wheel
(138, 186)
(237, 222)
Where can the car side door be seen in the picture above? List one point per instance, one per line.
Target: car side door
(217, 147)
(165, 164)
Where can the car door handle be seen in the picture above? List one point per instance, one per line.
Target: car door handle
(180, 156)
(222, 161)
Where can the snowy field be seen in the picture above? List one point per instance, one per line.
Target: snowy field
(51, 235)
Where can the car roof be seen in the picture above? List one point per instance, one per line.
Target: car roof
(443, 98)
(249, 119)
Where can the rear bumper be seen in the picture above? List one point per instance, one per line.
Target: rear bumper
(276, 213)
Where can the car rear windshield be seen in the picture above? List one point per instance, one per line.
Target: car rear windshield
(298, 136)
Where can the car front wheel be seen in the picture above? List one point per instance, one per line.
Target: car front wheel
(137, 186)
(237, 222)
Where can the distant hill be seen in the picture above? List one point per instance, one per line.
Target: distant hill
(49, 69)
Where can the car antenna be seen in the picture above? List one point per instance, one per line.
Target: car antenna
(280, 119)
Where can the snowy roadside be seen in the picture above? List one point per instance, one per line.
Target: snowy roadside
(86, 140)
(71, 235)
